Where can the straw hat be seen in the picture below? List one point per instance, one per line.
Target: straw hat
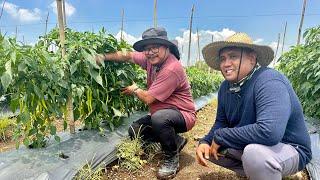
(156, 36)
(211, 51)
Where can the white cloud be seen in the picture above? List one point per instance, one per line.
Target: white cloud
(127, 37)
(205, 37)
(23, 15)
(258, 41)
(70, 10)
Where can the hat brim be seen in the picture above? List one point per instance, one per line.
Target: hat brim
(210, 53)
(139, 45)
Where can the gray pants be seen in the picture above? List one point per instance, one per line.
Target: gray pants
(259, 162)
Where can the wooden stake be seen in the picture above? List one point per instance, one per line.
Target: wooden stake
(190, 30)
(284, 37)
(69, 113)
(122, 16)
(301, 21)
(155, 14)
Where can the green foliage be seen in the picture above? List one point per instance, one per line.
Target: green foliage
(39, 83)
(302, 66)
(6, 128)
(130, 153)
(203, 81)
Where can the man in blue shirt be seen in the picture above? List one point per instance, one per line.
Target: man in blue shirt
(259, 129)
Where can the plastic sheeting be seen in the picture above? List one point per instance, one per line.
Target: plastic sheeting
(82, 148)
(314, 166)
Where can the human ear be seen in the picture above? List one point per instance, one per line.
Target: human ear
(253, 58)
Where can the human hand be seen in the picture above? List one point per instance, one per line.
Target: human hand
(202, 153)
(214, 150)
(99, 58)
(129, 90)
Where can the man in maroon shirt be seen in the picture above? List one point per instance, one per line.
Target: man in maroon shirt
(168, 96)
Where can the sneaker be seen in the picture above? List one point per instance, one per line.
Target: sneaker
(181, 142)
(169, 168)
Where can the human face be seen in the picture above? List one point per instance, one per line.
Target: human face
(230, 62)
(155, 53)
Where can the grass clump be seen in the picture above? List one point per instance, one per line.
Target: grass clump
(6, 129)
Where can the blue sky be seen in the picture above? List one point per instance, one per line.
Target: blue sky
(262, 20)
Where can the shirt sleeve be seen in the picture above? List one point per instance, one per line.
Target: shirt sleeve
(164, 85)
(273, 108)
(140, 59)
(221, 121)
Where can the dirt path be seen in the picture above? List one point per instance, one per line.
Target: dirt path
(189, 168)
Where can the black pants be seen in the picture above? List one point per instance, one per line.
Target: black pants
(162, 127)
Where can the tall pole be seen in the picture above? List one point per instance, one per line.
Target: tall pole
(4, 2)
(190, 30)
(198, 39)
(16, 32)
(155, 14)
(212, 38)
(69, 114)
(182, 49)
(301, 21)
(45, 32)
(275, 56)
(284, 37)
(64, 13)
(122, 16)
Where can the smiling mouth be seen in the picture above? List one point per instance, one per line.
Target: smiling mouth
(228, 71)
(152, 57)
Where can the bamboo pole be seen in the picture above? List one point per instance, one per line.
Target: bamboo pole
(4, 2)
(47, 19)
(284, 37)
(190, 30)
(155, 13)
(301, 21)
(122, 16)
(64, 13)
(275, 56)
(16, 35)
(198, 39)
(69, 112)
(181, 49)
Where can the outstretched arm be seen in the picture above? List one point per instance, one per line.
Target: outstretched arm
(119, 56)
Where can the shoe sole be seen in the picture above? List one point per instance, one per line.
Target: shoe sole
(170, 176)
